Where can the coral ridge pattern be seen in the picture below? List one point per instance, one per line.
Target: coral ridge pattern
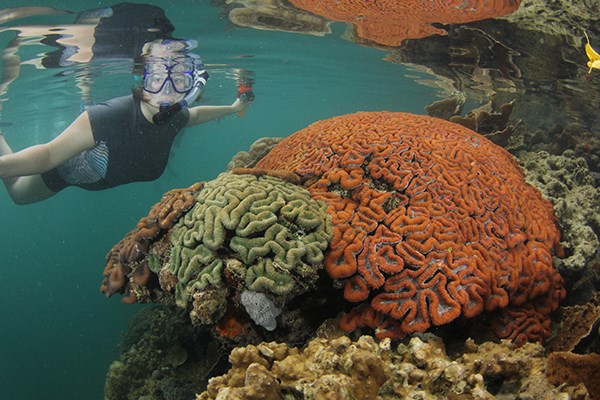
(431, 222)
(418, 221)
(235, 234)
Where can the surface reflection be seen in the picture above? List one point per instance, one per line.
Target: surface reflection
(525, 69)
(382, 23)
(113, 33)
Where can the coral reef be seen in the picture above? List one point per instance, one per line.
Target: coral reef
(389, 23)
(241, 232)
(333, 369)
(566, 181)
(247, 159)
(574, 136)
(340, 368)
(431, 222)
(162, 357)
(127, 268)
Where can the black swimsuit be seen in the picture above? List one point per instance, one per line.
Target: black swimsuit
(128, 148)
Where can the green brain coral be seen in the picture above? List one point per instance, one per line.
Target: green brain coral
(273, 228)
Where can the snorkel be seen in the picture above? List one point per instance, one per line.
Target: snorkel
(167, 111)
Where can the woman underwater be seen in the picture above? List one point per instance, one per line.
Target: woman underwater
(125, 139)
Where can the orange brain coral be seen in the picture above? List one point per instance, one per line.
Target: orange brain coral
(390, 22)
(431, 222)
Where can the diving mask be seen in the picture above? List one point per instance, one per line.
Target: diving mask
(159, 71)
(185, 76)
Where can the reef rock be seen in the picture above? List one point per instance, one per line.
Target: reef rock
(340, 368)
(162, 356)
(566, 181)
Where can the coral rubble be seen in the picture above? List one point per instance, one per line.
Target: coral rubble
(340, 368)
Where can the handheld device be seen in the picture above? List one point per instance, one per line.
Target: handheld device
(245, 93)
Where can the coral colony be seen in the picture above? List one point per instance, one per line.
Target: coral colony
(431, 222)
(418, 221)
(375, 222)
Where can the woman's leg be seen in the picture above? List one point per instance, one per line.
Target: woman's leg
(24, 189)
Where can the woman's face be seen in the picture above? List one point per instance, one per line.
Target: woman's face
(167, 80)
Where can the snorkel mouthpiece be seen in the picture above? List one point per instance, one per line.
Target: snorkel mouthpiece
(166, 112)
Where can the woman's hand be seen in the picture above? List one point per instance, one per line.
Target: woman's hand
(239, 106)
(241, 103)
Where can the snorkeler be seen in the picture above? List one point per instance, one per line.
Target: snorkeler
(123, 140)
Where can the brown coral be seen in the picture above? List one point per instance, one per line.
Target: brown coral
(391, 22)
(574, 369)
(431, 222)
(491, 121)
(123, 267)
(339, 368)
(325, 369)
(576, 323)
(247, 159)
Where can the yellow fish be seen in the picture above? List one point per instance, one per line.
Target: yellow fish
(592, 55)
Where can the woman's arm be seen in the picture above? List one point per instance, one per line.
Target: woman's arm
(202, 114)
(38, 159)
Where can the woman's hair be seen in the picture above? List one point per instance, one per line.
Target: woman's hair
(137, 91)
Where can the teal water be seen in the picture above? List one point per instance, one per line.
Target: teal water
(58, 333)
